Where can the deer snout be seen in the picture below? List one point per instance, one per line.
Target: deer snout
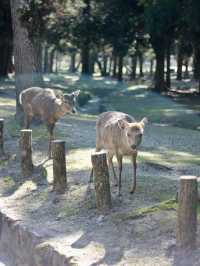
(133, 147)
(74, 111)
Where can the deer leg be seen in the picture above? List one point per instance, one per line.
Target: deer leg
(119, 160)
(110, 164)
(27, 120)
(134, 173)
(50, 128)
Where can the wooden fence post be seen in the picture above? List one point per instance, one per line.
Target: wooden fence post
(101, 181)
(187, 214)
(1, 136)
(26, 152)
(59, 166)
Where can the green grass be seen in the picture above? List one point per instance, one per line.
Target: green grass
(167, 205)
(141, 102)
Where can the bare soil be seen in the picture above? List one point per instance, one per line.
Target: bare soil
(128, 235)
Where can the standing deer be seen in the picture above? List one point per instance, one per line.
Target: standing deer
(47, 104)
(120, 135)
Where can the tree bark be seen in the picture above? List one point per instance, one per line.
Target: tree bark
(26, 152)
(140, 57)
(5, 57)
(159, 75)
(27, 63)
(120, 69)
(168, 74)
(114, 74)
(134, 66)
(73, 62)
(59, 166)
(179, 62)
(196, 61)
(1, 136)
(85, 58)
(151, 66)
(51, 60)
(101, 181)
(187, 213)
(186, 73)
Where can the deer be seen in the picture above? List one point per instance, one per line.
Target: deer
(47, 104)
(120, 135)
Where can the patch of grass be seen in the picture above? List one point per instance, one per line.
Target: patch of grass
(68, 211)
(13, 128)
(141, 212)
(8, 180)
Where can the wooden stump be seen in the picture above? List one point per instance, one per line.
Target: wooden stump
(26, 152)
(59, 166)
(187, 214)
(1, 136)
(101, 181)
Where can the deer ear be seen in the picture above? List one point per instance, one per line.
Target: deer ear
(76, 93)
(144, 121)
(122, 124)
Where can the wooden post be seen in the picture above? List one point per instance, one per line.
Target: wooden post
(101, 181)
(1, 136)
(59, 166)
(26, 152)
(187, 214)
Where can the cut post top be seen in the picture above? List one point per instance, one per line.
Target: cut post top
(58, 141)
(1, 120)
(26, 130)
(188, 177)
(96, 153)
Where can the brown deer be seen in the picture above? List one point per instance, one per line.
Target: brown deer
(47, 104)
(120, 135)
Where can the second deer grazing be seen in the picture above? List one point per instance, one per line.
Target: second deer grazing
(47, 104)
(120, 135)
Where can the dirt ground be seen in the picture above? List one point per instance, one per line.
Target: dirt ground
(139, 230)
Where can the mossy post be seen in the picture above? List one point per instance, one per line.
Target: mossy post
(187, 214)
(1, 136)
(59, 166)
(26, 152)
(101, 181)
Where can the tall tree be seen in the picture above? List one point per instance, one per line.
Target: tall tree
(5, 38)
(26, 56)
(160, 20)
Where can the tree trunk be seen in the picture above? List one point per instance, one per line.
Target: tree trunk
(120, 68)
(110, 66)
(159, 75)
(1, 136)
(151, 66)
(134, 66)
(179, 63)
(46, 59)
(85, 58)
(27, 63)
(114, 66)
(186, 74)
(73, 62)
(5, 57)
(168, 74)
(51, 60)
(105, 63)
(196, 61)
(140, 57)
